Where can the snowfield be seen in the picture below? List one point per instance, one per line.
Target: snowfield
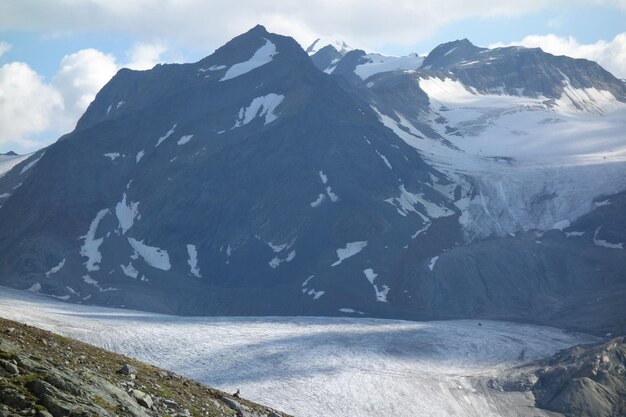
(311, 366)
(9, 161)
(510, 151)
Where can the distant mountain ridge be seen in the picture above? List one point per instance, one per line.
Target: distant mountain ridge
(264, 181)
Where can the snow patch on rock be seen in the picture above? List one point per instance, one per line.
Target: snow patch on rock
(193, 261)
(333, 197)
(351, 249)
(318, 201)
(409, 202)
(129, 270)
(184, 139)
(311, 291)
(432, 262)
(422, 230)
(603, 243)
(560, 225)
(276, 261)
(377, 63)
(91, 245)
(165, 136)
(262, 56)
(126, 213)
(55, 269)
(113, 155)
(263, 106)
(385, 160)
(31, 163)
(153, 256)
(381, 294)
(350, 311)
(212, 68)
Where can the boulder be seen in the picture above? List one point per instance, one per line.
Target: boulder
(13, 399)
(143, 399)
(40, 388)
(170, 403)
(127, 370)
(11, 368)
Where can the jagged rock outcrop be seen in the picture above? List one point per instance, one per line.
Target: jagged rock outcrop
(583, 381)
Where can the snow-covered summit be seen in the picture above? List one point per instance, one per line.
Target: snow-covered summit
(375, 63)
(340, 43)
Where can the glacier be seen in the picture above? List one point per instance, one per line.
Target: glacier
(311, 366)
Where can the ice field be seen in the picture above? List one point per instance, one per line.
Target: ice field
(310, 366)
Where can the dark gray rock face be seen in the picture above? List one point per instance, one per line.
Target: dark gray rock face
(510, 70)
(284, 169)
(326, 58)
(251, 183)
(565, 278)
(513, 71)
(576, 382)
(517, 70)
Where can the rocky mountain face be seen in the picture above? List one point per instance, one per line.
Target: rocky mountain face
(581, 381)
(42, 374)
(237, 185)
(253, 183)
(500, 125)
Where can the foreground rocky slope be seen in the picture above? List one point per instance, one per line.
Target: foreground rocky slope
(580, 381)
(47, 375)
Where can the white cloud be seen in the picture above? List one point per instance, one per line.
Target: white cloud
(556, 22)
(4, 48)
(213, 22)
(27, 106)
(144, 56)
(34, 112)
(79, 78)
(206, 24)
(611, 55)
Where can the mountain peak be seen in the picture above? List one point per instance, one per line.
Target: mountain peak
(340, 43)
(258, 29)
(450, 52)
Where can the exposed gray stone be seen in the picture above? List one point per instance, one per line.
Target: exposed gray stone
(170, 403)
(10, 367)
(127, 369)
(41, 388)
(142, 398)
(13, 398)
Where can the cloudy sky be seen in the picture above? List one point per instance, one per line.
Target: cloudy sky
(56, 54)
